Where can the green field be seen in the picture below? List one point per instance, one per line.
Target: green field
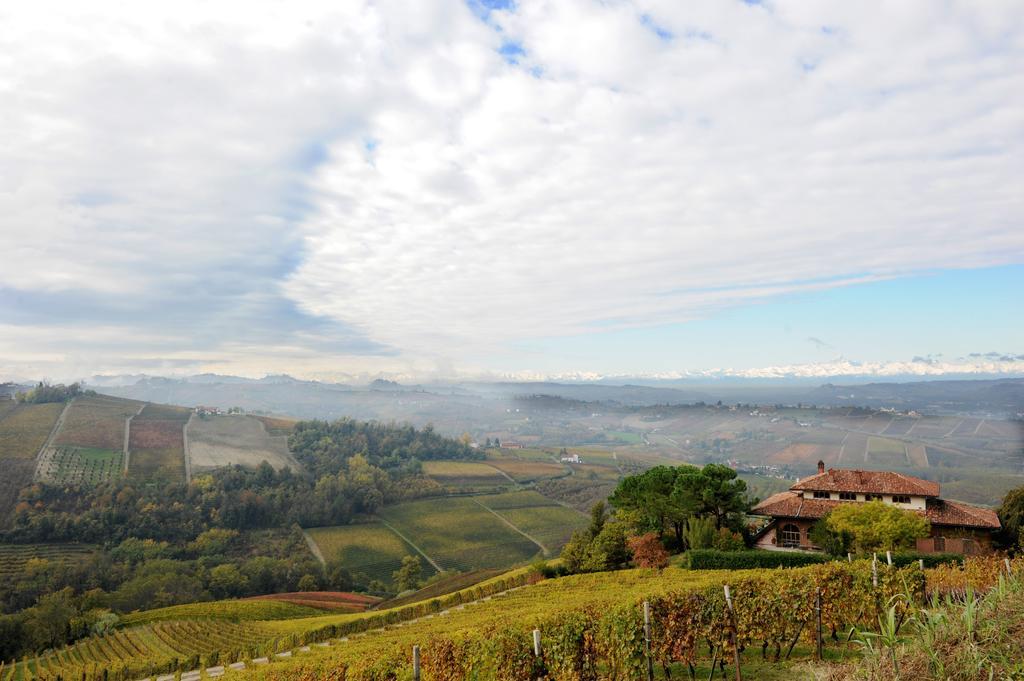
(885, 452)
(24, 429)
(459, 534)
(82, 465)
(367, 548)
(549, 523)
(528, 471)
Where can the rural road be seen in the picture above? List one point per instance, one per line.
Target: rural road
(184, 442)
(127, 432)
(48, 445)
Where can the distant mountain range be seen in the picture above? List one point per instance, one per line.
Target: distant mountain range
(390, 399)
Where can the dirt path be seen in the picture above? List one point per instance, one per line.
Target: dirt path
(953, 428)
(978, 427)
(184, 442)
(507, 476)
(513, 527)
(47, 447)
(842, 448)
(127, 432)
(409, 542)
(314, 548)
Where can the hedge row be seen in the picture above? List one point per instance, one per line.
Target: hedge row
(711, 559)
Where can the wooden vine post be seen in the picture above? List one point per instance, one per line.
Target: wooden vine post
(415, 663)
(734, 634)
(536, 643)
(920, 562)
(1009, 570)
(817, 612)
(874, 570)
(888, 557)
(647, 641)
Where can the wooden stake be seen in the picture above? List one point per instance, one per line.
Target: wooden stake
(647, 641)
(734, 634)
(415, 663)
(874, 570)
(817, 610)
(888, 557)
(1009, 570)
(920, 562)
(536, 643)
(849, 557)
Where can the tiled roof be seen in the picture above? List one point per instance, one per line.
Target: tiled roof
(875, 482)
(938, 512)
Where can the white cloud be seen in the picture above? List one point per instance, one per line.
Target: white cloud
(381, 167)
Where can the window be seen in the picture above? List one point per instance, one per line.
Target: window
(822, 495)
(940, 543)
(900, 499)
(790, 536)
(848, 496)
(873, 497)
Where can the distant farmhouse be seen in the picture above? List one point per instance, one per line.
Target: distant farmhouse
(509, 444)
(571, 458)
(956, 527)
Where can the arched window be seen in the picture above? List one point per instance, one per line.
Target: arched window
(790, 536)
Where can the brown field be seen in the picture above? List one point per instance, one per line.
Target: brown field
(522, 471)
(96, 421)
(277, 426)
(337, 601)
(156, 443)
(155, 434)
(24, 429)
(806, 453)
(218, 441)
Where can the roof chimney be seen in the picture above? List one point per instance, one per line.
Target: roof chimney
(821, 467)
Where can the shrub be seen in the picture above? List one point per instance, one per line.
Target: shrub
(648, 551)
(710, 559)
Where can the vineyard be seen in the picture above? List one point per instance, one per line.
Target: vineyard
(248, 610)
(459, 534)
(546, 521)
(365, 548)
(337, 601)
(590, 626)
(96, 422)
(14, 556)
(145, 650)
(80, 465)
(156, 443)
(465, 475)
(24, 429)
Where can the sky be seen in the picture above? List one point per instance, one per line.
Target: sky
(453, 188)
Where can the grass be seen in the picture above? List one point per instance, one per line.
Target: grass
(367, 548)
(82, 465)
(459, 534)
(24, 429)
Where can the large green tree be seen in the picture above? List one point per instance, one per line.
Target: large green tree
(713, 491)
(648, 497)
(877, 526)
(1011, 515)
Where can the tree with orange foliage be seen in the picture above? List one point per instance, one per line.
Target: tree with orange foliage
(648, 551)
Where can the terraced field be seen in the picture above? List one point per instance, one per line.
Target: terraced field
(156, 444)
(367, 548)
(14, 556)
(459, 534)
